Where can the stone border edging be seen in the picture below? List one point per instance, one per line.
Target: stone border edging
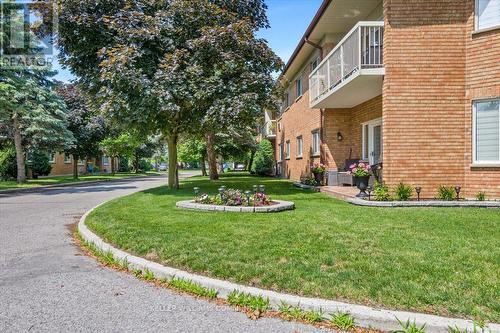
(307, 187)
(279, 207)
(81, 183)
(365, 316)
(424, 203)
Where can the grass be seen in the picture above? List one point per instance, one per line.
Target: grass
(443, 261)
(58, 180)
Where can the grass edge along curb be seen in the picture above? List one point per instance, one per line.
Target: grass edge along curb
(365, 317)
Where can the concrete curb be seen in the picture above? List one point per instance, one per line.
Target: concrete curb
(424, 203)
(278, 207)
(368, 317)
(76, 184)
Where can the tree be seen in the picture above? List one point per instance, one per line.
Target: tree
(147, 61)
(86, 125)
(142, 150)
(264, 159)
(39, 164)
(114, 147)
(193, 150)
(31, 113)
(8, 166)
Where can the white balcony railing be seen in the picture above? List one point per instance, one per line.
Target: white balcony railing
(361, 48)
(268, 130)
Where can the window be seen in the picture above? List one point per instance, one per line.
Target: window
(288, 150)
(105, 160)
(298, 86)
(314, 64)
(280, 147)
(67, 158)
(487, 14)
(486, 131)
(300, 145)
(81, 162)
(52, 157)
(286, 101)
(315, 143)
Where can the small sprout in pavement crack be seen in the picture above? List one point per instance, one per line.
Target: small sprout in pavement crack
(314, 316)
(148, 275)
(342, 320)
(257, 304)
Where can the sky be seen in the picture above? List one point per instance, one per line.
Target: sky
(289, 20)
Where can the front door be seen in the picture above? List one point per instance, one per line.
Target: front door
(373, 141)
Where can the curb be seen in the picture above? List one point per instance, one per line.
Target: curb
(424, 203)
(76, 184)
(367, 317)
(280, 206)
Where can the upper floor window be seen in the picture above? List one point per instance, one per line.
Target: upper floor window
(298, 86)
(300, 145)
(288, 149)
(286, 101)
(487, 14)
(315, 143)
(486, 131)
(314, 64)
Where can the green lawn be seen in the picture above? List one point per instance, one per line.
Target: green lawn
(5, 185)
(438, 260)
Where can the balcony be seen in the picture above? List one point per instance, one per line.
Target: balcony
(353, 71)
(269, 129)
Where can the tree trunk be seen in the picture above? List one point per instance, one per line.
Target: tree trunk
(113, 161)
(173, 176)
(212, 158)
(75, 166)
(252, 156)
(203, 167)
(20, 157)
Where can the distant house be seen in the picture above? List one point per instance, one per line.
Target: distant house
(62, 164)
(412, 86)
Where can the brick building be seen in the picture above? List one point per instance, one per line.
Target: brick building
(62, 164)
(413, 85)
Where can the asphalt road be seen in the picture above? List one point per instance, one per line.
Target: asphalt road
(48, 285)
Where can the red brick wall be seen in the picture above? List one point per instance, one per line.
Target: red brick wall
(424, 118)
(483, 81)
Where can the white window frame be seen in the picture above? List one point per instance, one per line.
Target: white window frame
(52, 157)
(67, 159)
(81, 162)
(316, 152)
(105, 160)
(476, 19)
(475, 162)
(288, 148)
(300, 146)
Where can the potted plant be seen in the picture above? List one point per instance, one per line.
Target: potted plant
(318, 171)
(361, 172)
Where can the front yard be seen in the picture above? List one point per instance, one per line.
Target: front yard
(58, 180)
(437, 260)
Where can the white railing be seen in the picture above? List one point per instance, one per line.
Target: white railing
(361, 48)
(269, 129)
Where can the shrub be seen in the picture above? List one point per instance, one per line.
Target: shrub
(403, 192)
(144, 165)
(481, 196)
(123, 165)
(309, 180)
(264, 159)
(446, 193)
(8, 164)
(39, 164)
(381, 192)
(342, 320)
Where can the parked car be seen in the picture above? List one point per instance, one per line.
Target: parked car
(163, 167)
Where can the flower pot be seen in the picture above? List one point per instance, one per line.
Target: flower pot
(362, 185)
(319, 178)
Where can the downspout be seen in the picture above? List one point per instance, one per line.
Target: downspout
(322, 111)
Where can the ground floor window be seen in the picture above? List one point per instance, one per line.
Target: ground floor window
(300, 145)
(67, 158)
(486, 131)
(315, 143)
(105, 160)
(280, 147)
(288, 150)
(52, 157)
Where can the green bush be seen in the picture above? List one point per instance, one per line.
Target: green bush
(481, 196)
(123, 165)
(403, 192)
(144, 165)
(8, 164)
(446, 193)
(39, 164)
(381, 192)
(264, 159)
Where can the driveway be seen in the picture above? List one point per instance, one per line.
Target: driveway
(47, 285)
